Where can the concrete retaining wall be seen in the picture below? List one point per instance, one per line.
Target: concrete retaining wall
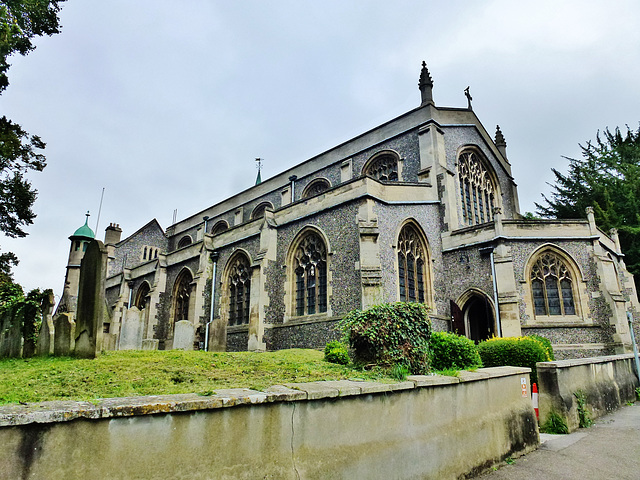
(426, 427)
(607, 382)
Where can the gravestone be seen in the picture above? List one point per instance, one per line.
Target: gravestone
(10, 337)
(131, 330)
(150, 344)
(91, 301)
(64, 334)
(46, 334)
(183, 336)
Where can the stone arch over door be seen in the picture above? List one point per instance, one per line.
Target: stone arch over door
(478, 315)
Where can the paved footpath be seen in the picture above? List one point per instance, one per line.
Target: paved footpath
(610, 449)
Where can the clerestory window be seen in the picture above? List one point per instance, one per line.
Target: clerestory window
(383, 167)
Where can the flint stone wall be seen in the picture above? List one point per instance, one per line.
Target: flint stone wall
(426, 427)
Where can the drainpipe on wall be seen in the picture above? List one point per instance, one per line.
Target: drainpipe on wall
(214, 259)
(293, 179)
(130, 285)
(633, 341)
(490, 250)
(205, 218)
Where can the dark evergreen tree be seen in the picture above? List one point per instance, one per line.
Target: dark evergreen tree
(20, 22)
(607, 177)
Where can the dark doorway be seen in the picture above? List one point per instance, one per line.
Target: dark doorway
(478, 318)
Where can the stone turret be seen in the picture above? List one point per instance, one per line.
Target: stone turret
(79, 241)
(426, 86)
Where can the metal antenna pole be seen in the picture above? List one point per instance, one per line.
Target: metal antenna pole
(99, 210)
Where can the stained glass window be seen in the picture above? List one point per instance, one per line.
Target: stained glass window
(476, 190)
(552, 286)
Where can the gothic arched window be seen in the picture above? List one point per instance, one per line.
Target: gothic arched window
(413, 266)
(310, 274)
(239, 290)
(383, 167)
(142, 296)
(552, 285)
(316, 187)
(477, 191)
(182, 296)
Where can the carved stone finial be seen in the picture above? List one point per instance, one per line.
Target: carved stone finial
(501, 142)
(589, 210)
(469, 98)
(426, 85)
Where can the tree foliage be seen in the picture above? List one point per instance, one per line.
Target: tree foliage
(607, 177)
(20, 22)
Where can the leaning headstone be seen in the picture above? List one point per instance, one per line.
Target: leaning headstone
(91, 301)
(64, 333)
(131, 330)
(183, 336)
(10, 337)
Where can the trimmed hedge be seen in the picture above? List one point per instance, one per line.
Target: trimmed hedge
(390, 334)
(451, 351)
(514, 351)
(546, 343)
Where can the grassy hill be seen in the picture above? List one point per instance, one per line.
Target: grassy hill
(132, 373)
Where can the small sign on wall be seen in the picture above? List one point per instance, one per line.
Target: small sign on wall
(523, 384)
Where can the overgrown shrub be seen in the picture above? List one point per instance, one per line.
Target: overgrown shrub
(336, 352)
(390, 334)
(554, 424)
(514, 351)
(547, 346)
(451, 351)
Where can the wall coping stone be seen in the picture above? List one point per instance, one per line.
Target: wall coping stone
(582, 361)
(65, 411)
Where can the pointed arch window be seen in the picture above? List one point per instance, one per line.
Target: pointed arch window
(182, 296)
(142, 296)
(413, 278)
(219, 227)
(310, 273)
(383, 167)
(185, 241)
(239, 287)
(477, 191)
(552, 286)
(260, 210)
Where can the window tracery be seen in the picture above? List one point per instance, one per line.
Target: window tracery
(310, 268)
(477, 191)
(383, 167)
(239, 287)
(412, 266)
(316, 187)
(552, 286)
(182, 296)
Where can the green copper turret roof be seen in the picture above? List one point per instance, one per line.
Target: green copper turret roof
(85, 231)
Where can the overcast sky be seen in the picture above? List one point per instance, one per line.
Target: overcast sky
(166, 104)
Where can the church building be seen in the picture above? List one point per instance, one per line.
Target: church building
(422, 208)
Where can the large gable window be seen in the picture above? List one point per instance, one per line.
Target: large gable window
(552, 286)
(310, 273)
(413, 278)
(477, 191)
(239, 290)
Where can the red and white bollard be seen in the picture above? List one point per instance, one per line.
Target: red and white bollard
(534, 400)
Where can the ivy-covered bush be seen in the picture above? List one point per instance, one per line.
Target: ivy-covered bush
(546, 343)
(390, 334)
(451, 351)
(514, 351)
(336, 352)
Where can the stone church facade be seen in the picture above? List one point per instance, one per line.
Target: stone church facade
(422, 209)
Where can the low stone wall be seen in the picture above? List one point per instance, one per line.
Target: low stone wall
(607, 383)
(426, 427)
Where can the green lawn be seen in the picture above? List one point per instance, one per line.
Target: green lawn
(131, 373)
